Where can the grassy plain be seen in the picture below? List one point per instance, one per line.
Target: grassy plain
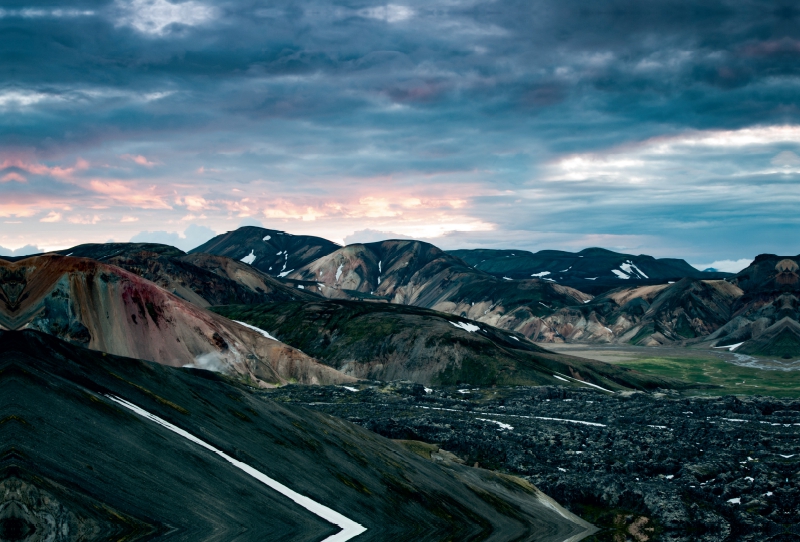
(695, 366)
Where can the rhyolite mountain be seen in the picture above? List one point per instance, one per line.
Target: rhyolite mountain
(644, 315)
(592, 270)
(106, 308)
(273, 252)
(765, 318)
(420, 274)
(384, 341)
(203, 279)
(86, 454)
(755, 312)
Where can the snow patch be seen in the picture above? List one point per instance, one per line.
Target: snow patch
(731, 347)
(507, 278)
(501, 424)
(267, 238)
(339, 272)
(257, 330)
(469, 328)
(542, 274)
(561, 378)
(620, 274)
(284, 273)
(348, 388)
(428, 390)
(735, 500)
(593, 278)
(630, 268)
(301, 287)
(379, 266)
(669, 476)
(250, 258)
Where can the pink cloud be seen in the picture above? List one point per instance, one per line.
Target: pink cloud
(13, 176)
(139, 159)
(35, 168)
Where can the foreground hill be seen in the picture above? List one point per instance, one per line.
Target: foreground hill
(106, 308)
(593, 270)
(381, 341)
(202, 279)
(419, 274)
(274, 252)
(97, 447)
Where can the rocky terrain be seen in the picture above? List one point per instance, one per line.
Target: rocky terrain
(106, 308)
(273, 252)
(96, 447)
(592, 270)
(643, 466)
(385, 341)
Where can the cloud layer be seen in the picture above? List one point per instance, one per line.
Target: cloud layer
(658, 127)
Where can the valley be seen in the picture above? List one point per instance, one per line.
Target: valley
(393, 390)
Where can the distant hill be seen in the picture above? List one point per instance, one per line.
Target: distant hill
(765, 318)
(273, 252)
(593, 270)
(382, 341)
(422, 275)
(645, 315)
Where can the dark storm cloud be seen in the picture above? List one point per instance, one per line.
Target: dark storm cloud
(312, 106)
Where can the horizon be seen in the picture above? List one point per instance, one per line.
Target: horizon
(667, 129)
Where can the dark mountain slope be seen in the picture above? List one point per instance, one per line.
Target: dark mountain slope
(592, 270)
(106, 308)
(274, 252)
(393, 342)
(419, 274)
(202, 279)
(108, 473)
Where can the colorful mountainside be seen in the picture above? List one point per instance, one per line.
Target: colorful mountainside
(105, 308)
(202, 279)
(419, 274)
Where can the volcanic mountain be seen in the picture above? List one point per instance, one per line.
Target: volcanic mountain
(202, 279)
(273, 252)
(385, 341)
(419, 274)
(96, 447)
(593, 270)
(106, 308)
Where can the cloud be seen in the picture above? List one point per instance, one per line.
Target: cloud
(372, 236)
(192, 237)
(21, 251)
(138, 159)
(391, 13)
(155, 17)
(52, 216)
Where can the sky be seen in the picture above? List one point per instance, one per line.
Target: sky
(662, 127)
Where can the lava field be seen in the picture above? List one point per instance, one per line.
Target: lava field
(640, 466)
